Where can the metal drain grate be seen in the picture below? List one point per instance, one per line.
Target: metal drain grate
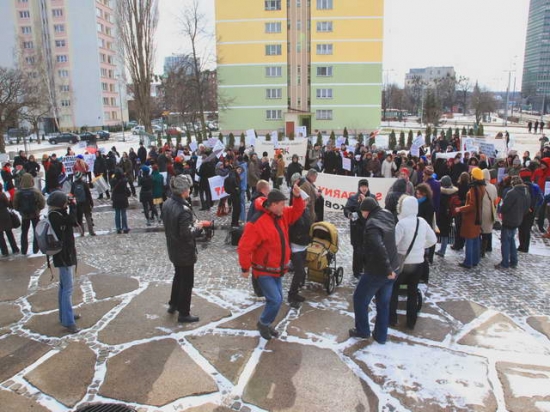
(106, 407)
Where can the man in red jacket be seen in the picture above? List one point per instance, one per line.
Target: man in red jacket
(265, 248)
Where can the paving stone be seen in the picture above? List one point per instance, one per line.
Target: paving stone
(249, 320)
(47, 299)
(15, 278)
(82, 269)
(228, 354)
(287, 379)
(106, 286)
(16, 353)
(73, 369)
(341, 298)
(154, 373)
(426, 327)
(323, 323)
(541, 324)
(462, 310)
(500, 333)
(9, 313)
(525, 386)
(448, 381)
(10, 401)
(91, 313)
(209, 407)
(145, 316)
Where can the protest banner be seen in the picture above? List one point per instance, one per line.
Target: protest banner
(501, 174)
(447, 155)
(337, 189)
(90, 160)
(288, 147)
(340, 140)
(346, 164)
(546, 188)
(216, 187)
(250, 137)
(193, 146)
(488, 149)
(68, 163)
(300, 132)
(352, 142)
(381, 142)
(211, 142)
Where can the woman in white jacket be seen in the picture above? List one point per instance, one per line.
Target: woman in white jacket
(407, 210)
(388, 166)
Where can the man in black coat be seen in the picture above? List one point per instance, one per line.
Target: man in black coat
(100, 168)
(357, 224)
(380, 261)
(181, 230)
(142, 153)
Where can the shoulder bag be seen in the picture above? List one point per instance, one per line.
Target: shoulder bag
(402, 258)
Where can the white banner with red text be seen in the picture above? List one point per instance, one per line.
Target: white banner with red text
(216, 187)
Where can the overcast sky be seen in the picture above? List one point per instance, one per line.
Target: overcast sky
(481, 39)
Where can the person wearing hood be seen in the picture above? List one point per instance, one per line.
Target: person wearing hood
(414, 233)
(28, 201)
(119, 197)
(357, 224)
(264, 249)
(84, 203)
(471, 214)
(398, 189)
(293, 167)
(448, 202)
(146, 196)
(515, 205)
(488, 214)
(380, 260)
(62, 222)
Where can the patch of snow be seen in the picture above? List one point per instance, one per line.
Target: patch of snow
(151, 317)
(535, 385)
(235, 357)
(542, 406)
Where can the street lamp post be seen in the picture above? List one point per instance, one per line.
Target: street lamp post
(118, 77)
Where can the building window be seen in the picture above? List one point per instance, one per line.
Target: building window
(113, 101)
(103, 72)
(324, 93)
(111, 74)
(106, 101)
(30, 60)
(323, 114)
(104, 87)
(102, 57)
(273, 114)
(28, 45)
(101, 43)
(22, 1)
(108, 31)
(272, 4)
(299, 25)
(110, 59)
(274, 93)
(112, 88)
(273, 71)
(61, 58)
(59, 28)
(324, 4)
(65, 103)
(26, 30)
(273, 27)
(64, 88)
(324, 71)
(273, 50)
(324, 26)
(63, 73)
(60, 43)
(100, 27)
(114, 115)
(324, 49)
(298, 3)
(107, 115)
(25, 14)
(57, 12)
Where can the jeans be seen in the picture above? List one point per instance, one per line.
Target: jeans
(444, 243)
(243, 206)
(542, 213)
(121, 219)
(524, 231)
(25, 226)
(368, 287)
(272, 287)
(182, 289)
(236, 211)
(298, 262)
(410, 277)
(508, 247)
(65, 296)
(473, 252)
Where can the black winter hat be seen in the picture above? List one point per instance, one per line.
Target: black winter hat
(363, 182)
(275, 195)
(369, 204)
(57, 199)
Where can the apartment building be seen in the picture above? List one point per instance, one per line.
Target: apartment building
(313, 63)
(71, 46)
(428, 75)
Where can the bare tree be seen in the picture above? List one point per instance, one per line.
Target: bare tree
(464, 86)
(136, 23)
(483, 102)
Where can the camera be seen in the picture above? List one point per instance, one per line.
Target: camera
(208, 228)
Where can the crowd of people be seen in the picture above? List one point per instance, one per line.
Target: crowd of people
(461, 198)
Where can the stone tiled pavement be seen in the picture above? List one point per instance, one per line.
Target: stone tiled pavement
(130, 351)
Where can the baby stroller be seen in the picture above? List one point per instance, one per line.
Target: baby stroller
(321, 256)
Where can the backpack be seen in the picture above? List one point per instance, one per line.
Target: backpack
(229, 185)
(79, 192)
(536, 196)
(27, 202)
(47, 240)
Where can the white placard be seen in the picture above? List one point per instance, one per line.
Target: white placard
(488, 149)
(4, 157)
(164, 177)
(352, 143)
(216, 187)
(82, 144)
(290, 147)
(325, 139)
(300, 132)
(193, 146)
(381, 142)
(415, 150)
(68, 163)
(346, 164)
(501, 174)
(90, 160)
(219, 146)
(211, 142)
(340, 141)
(250, 137)
(546, 188)
(337, 189)
(180, 153)
(418, 141)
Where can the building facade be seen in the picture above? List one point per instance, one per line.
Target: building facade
(313, 63)
(535, 86)
(71, 47)
(428, 75)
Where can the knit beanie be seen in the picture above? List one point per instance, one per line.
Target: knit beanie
(477, 173)
(27, 181)
(446, 182)
(57, 199)
(179, 184)
(369, 204)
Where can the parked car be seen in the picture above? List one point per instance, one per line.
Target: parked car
(64, 137)
(138, 129)
(11, 139)
(88, 137)
(103, 134)
(173, 131)
(132, 123)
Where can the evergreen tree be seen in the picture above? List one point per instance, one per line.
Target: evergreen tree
(464, 131)
(346, 135)
(392, 142)
(332, 137)
(220, 136)
(169, 139)
(231, 142)
(360, 138)
(372, 138)
(428, 131)
(410, 138)
(470, 132)
(242, 138)
(449, 134)
(291, 136)
(267, 137)
(402, 140)
(319, 139)
(457, 132)
(210, 134)
(159, 140)
(178, 139)
(480, 131)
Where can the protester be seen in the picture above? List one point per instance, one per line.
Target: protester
(261, 191)
(120, 194)
(6, 226)
(413, 235)
(488, 214)
(84, 203)
(380, 263)
(146, 196)
(181, 230)
(28, 201)
(264, 249)
(448, 202)
(62, 222)
(352, 212)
